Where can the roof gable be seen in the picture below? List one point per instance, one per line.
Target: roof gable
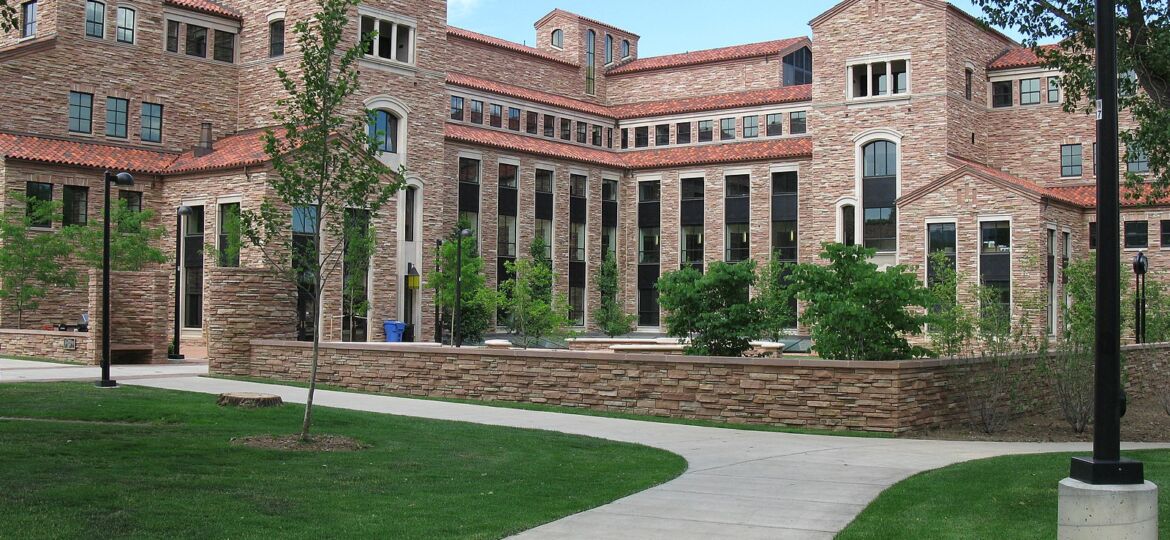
(707, 56)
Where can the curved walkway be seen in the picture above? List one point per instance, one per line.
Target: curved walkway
(739, 484)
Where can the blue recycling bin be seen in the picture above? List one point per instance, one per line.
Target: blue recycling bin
(393, 330)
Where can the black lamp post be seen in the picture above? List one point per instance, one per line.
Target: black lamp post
(457, 332)
(1140, 265)
(1106, 466)
(438, 311)
(111, 179)
(179, 213)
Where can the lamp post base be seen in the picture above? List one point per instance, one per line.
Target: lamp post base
(1106, 472)
(106, 384)
(1087, 511)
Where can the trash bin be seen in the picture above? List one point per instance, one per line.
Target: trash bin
(393, 330)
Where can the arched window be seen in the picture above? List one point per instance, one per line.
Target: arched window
(848, 225)
(590, 75)
(384, 131)
(95, 19)
(879, 190)
(558, 38)
(276, 38)
(608, 49)
(625, 49)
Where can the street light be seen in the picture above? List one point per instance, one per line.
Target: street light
(179, 213)
(457, 332)
(1140, 265)
(438, 311)
(120, 179)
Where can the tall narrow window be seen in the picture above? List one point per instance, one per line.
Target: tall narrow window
(1050, 281)
(784, 215)
(28, 19)
(582, 132)
(1093, 235)
(543, 210)
(95, 19)
(578, 193)
(968, 84)
(225, 46)
(682, 133)
(1029, 91)
(228, 231)
(126, 21)
(496, 116)
(1054, 89)
(304, 252)
(751, 126)
(384, 131)
(276, 38)
(193, 230)
(410, 215)
(531, 118)
(469, 193)
(649, 208)
(456, 108)
(662, 135)
(566, 129)
(550, 126)
(879, 186)
(557, 39)
(173, 36)
(691, 215)
(940, 238)
(625, 138)
(995, 248)
(355, 274)
(117, 111)
(80, 112)
(798, 122)
(74, 203)
(590, 60)
(513, 119)
(596, 135)
(196, 41)
(609, 217)
(848, 225)
(625, 49)
(608, 49)
(705, 130)
(736, 217)
(38, 192)
(1070, 160)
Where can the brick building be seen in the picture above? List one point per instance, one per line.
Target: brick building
(933, 133)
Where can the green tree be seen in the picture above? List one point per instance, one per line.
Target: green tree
(479, 302)
(132, 239)
(609, 315)
(776, 300)
(713, 311)
(31, 261)
(951, 325)
(538, 250)
(9, 18)
(325, 164)
(1143, 39)
(856, 312)
(532, 316)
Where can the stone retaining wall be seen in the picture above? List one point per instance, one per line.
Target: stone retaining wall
(64, 346)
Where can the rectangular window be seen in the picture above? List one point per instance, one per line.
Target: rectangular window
(544, 230)
(126, 20)
(706, 130)
(940, 238)
(229, 235)
(1165, 233)
(394, 40)
(775, 125)
(577, 242)
(1093, 235)
(691, 189)
(649, 192)
(648, 248)
(38, 191)
(880, 228)
(506, 236)
(692, 245)
(609, 241)
(276, 38)
(196, 41)
(582, 132)
(28, 19)
(1001, 94)
(152, 122)
(648, 306)
(1029, 91)
(738, 186)
(544, 181)
(625, 138)
(173, 36)
(133, 200)
(682, 133)
(550, 126)
(80, 112)
(784, 240)
(661, 134)
(995, 248)
(496, 116)
(596, 135)
(225, 46)
(996, 237)
(456, 108)
(751, 126)
(641, 137)
(1054, 89)
(609, 190)
(1137, 234)
(531, 118)
(736, 240)
(798, 122)
(968, 84)
(74, 201)
(513, 119)
(95, 19)
(469, 170)
(476, 111)
(798, 67)
(1137, 161)
(726, 129)
(1070, 160)
(566, 129)
(577, 294)
(609, 137)
(507, 175)
(117, 111)
(578, 185)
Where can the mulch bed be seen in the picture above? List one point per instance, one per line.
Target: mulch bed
(316, 443)
(1145, 421)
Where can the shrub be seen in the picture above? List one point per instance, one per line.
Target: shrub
(478, 301)
(714, 310)
(777, 303)
(856, 312)
(530, 315)
(951, 325)
(609, 315)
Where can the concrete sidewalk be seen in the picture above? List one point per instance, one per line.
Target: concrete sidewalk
(739, 484)
(28, 371)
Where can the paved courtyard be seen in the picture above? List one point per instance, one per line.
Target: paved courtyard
(739, 484)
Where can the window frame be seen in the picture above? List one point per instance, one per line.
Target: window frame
(727, 132)
(1029, 95)
(1068, 169)
(514, 118)
(112, 110)
(797, 118)
(195, 46)
(379, 19)
(30, 196)
(682, 132)
(710, 131)
(28, 19)
(557, 39)
(70, 214)
(79, 108)
(1135, 234)
(120, 30)
(476, 116)
(99, 22)
(220, 45)
(388, 143)
(273, 43)
(774, 120)
(171, 39)
(1053, 89)
(1001, 91)
(661, 134)
(751, 130)
(457, 108)
(144, 128)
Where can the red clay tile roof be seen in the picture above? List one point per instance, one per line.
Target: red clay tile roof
(82, 154)
(536, 96)
(1086, 196)
(206, 6)
(710, 55)
(505, 44)
(532, 145)
(242, 149)
(786, 94)
(1019, 57)
(1004, 176)
(723, 153)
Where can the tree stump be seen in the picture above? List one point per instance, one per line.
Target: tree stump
(248, 399)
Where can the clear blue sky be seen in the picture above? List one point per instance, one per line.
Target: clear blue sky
(665, 26)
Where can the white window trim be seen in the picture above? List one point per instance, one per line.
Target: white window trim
(402, 111)
(105, 23)
(198, 19)
(1011, 257)
(868, 61)
(926, 242)
(396, 19)
(837, 224)
(859, 142)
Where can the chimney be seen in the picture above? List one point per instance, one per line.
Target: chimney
(204, 147)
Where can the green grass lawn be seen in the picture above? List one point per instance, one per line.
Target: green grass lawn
(1003, 497)
(162, 466)
(587, 411)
